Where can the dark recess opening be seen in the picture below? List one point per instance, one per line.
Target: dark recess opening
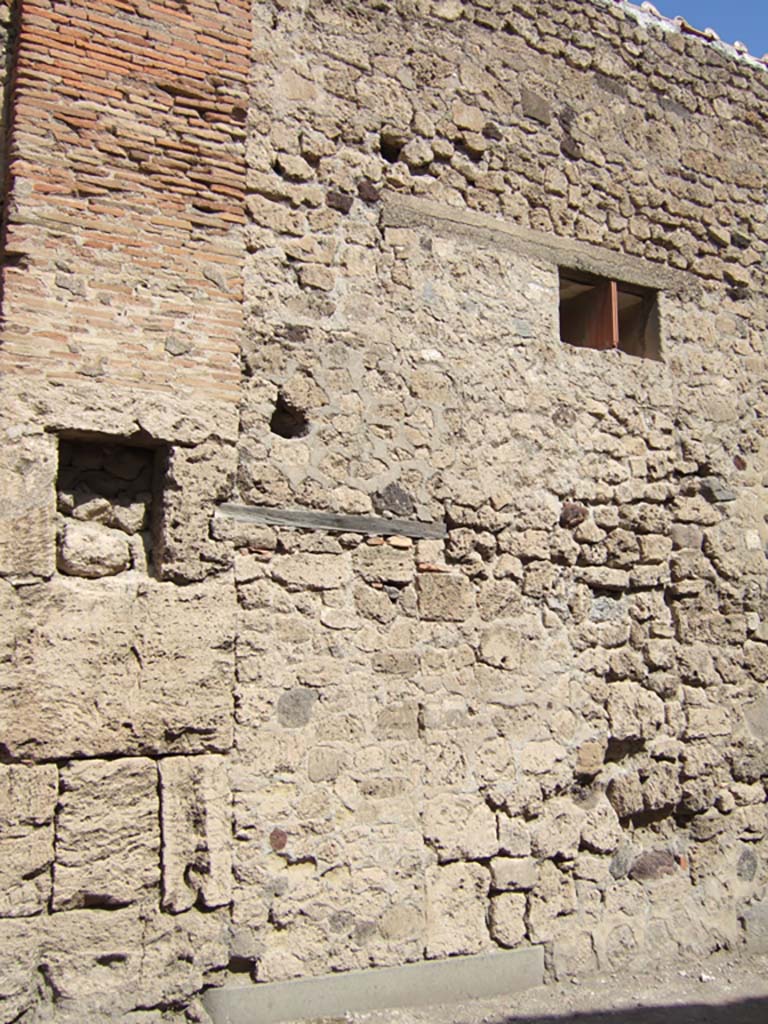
(390, 147)
(109, 480)
(287, 420)
(600, 313)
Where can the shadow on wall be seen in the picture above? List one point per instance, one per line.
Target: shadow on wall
(748, 1011)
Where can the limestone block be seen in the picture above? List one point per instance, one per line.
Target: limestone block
(402, 921)
(603, 578)
(445, 597)
(382, 563)
(558, 831)
(103, 965)
(197, 832)
(696, 665)
(662, 787)
(654, 547)
(107, 834)
(755, 921)
(625, 794)
(28, 512)
(756, 660)
(601, 831)
(28, 797)
(92, 550)
(400, 720)
(590, 757)
(460, 827)
(196, 479)
(116, 666)
(525, 544)
(541, 756)
(464, 116)
(703, 722)
(20, 941)
(573, 951)
(507, 918)
(633, 712)
(456, 896)
(10, 605)
(514, 836)
(324, 764)
(514, 873)
(554, 897)
(311, 572)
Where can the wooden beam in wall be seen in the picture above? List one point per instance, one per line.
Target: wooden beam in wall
(309, 519)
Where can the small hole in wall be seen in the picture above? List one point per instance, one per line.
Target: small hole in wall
(390, 147)
(287, 420)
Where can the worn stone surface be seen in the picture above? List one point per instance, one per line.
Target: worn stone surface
(196, 822)
(27, 519)
(456, 898)
(119, 666)
(107, 834)
(321, 271)
(92, 550)
(28, 798)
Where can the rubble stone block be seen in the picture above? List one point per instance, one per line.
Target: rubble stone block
(107, 834)
(185, 550)
(310, 571)
(382, 563)
(601, 831)
(625, 793)
(92, 550)
(444, 597)
(514, 873)
(196, 807)
(460, 828)
(558, 831)
(455, 906)
(507, 918)
(755, 922)
(28, 798)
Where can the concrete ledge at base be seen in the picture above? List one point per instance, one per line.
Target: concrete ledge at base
(431, 981)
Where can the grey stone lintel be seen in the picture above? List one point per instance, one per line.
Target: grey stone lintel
(455, 980)
(309, 519)
(483, 230)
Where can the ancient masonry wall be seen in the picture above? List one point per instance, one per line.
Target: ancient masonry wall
(305, 256)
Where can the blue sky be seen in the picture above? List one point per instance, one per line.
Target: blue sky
(746, 20)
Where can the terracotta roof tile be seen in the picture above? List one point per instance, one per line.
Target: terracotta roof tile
(646, 13)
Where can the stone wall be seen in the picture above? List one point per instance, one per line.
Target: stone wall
(243, 752)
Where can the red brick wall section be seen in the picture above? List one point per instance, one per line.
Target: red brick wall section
(124, 235)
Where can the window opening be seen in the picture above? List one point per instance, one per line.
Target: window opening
(601, 313)
(108, 497)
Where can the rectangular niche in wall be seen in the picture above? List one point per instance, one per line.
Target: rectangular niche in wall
(106, 491)
(600, 313)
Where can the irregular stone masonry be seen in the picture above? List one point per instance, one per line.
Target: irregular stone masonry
(306, 256)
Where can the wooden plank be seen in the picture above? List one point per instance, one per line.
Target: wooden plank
(603, 330)
(309, 519)
(591, 320)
